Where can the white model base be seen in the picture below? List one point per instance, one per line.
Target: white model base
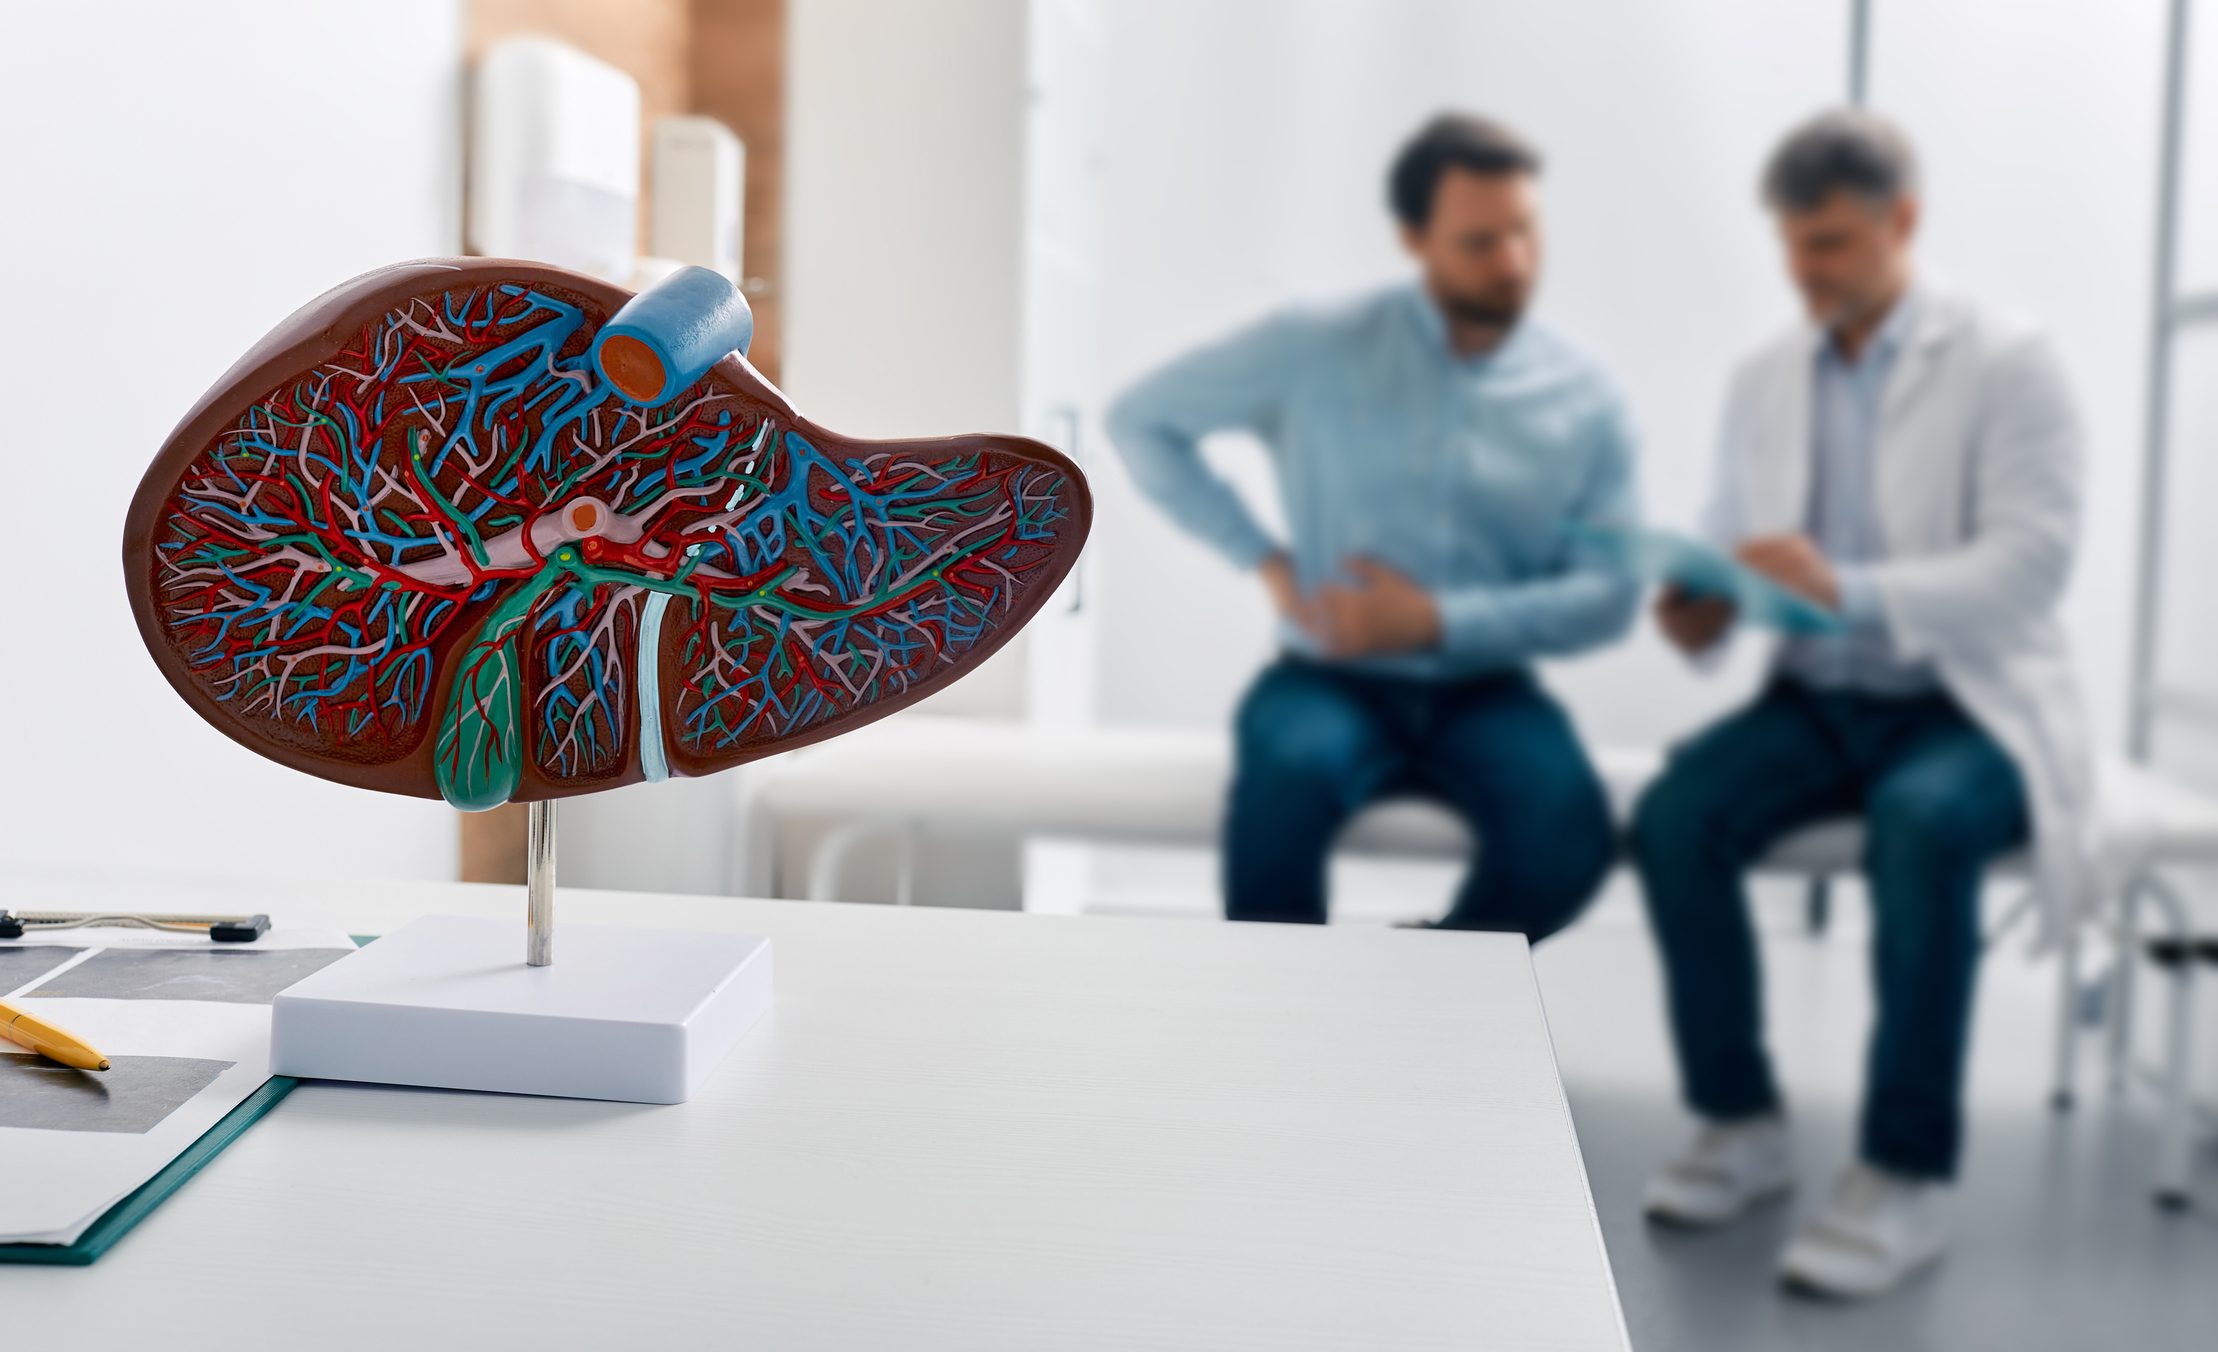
(640, 1016)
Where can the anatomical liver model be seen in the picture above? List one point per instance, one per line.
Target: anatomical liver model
(458, 528)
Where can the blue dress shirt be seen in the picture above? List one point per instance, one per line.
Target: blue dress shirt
(1466, 474)
(1846, 398)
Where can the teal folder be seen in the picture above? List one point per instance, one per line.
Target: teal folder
(1704, 570)
(117, 1221)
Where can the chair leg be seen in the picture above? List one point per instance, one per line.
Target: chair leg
(2173, 1143)
(2067, 1021)
(2174, 1156)
(2118, 1049)
(1817, 904)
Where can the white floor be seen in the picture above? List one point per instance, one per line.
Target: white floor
(2058, 1244)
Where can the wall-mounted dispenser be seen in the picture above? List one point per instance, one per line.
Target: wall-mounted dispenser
(697, 206)
(554, 159)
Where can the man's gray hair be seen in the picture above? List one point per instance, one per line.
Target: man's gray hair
(1842, 150)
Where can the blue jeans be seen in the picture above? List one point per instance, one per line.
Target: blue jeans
(1940, 800)
(1318, 743)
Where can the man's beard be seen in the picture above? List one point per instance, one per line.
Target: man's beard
(1829, 310)
(1499, 310)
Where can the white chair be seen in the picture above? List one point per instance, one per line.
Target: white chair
(918, 774)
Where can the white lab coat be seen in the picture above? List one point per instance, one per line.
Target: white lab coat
(1978, 463)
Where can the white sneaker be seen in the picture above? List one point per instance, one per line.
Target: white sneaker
(1874, 1231)
(1729, 1168)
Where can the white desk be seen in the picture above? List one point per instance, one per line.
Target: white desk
(960, 1130)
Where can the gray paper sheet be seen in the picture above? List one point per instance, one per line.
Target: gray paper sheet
(132, 1095)
(242, 977)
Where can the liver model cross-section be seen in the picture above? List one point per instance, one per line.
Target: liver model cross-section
(419, 541)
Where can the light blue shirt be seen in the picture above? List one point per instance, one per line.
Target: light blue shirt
(1466, 474)
(1846, 398)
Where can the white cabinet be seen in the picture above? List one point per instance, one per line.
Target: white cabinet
(939, 218)
(940, 277)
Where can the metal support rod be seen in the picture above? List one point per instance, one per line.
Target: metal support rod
(2118, 1002)
(2157, 412)
(2065, 1052)
(539, 884)
(1859, 52)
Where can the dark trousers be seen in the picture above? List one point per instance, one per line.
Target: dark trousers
(1317, 743)
(1940, 800)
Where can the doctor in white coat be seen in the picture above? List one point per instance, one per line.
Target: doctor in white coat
(1911, 461)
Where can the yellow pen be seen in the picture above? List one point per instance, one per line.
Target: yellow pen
(20, 1027)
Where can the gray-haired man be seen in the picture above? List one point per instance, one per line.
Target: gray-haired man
(1912, 462)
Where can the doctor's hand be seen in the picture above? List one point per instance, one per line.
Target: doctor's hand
(1383, 612)
(1692, 623)
(1794, 562)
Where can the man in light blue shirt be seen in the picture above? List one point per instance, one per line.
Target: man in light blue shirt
(1436, 453)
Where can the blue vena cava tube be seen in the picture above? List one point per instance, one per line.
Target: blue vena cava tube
(669, 335)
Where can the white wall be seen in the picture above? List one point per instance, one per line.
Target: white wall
(903, 147)
(177, 179)
(2047, 206)
(1247, 146)
(2198, 243)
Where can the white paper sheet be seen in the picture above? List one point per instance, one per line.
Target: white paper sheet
(59, 1181)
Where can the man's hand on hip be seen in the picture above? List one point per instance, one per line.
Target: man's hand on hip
(1277, 573)
(1796, 563)
(1382, 612)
